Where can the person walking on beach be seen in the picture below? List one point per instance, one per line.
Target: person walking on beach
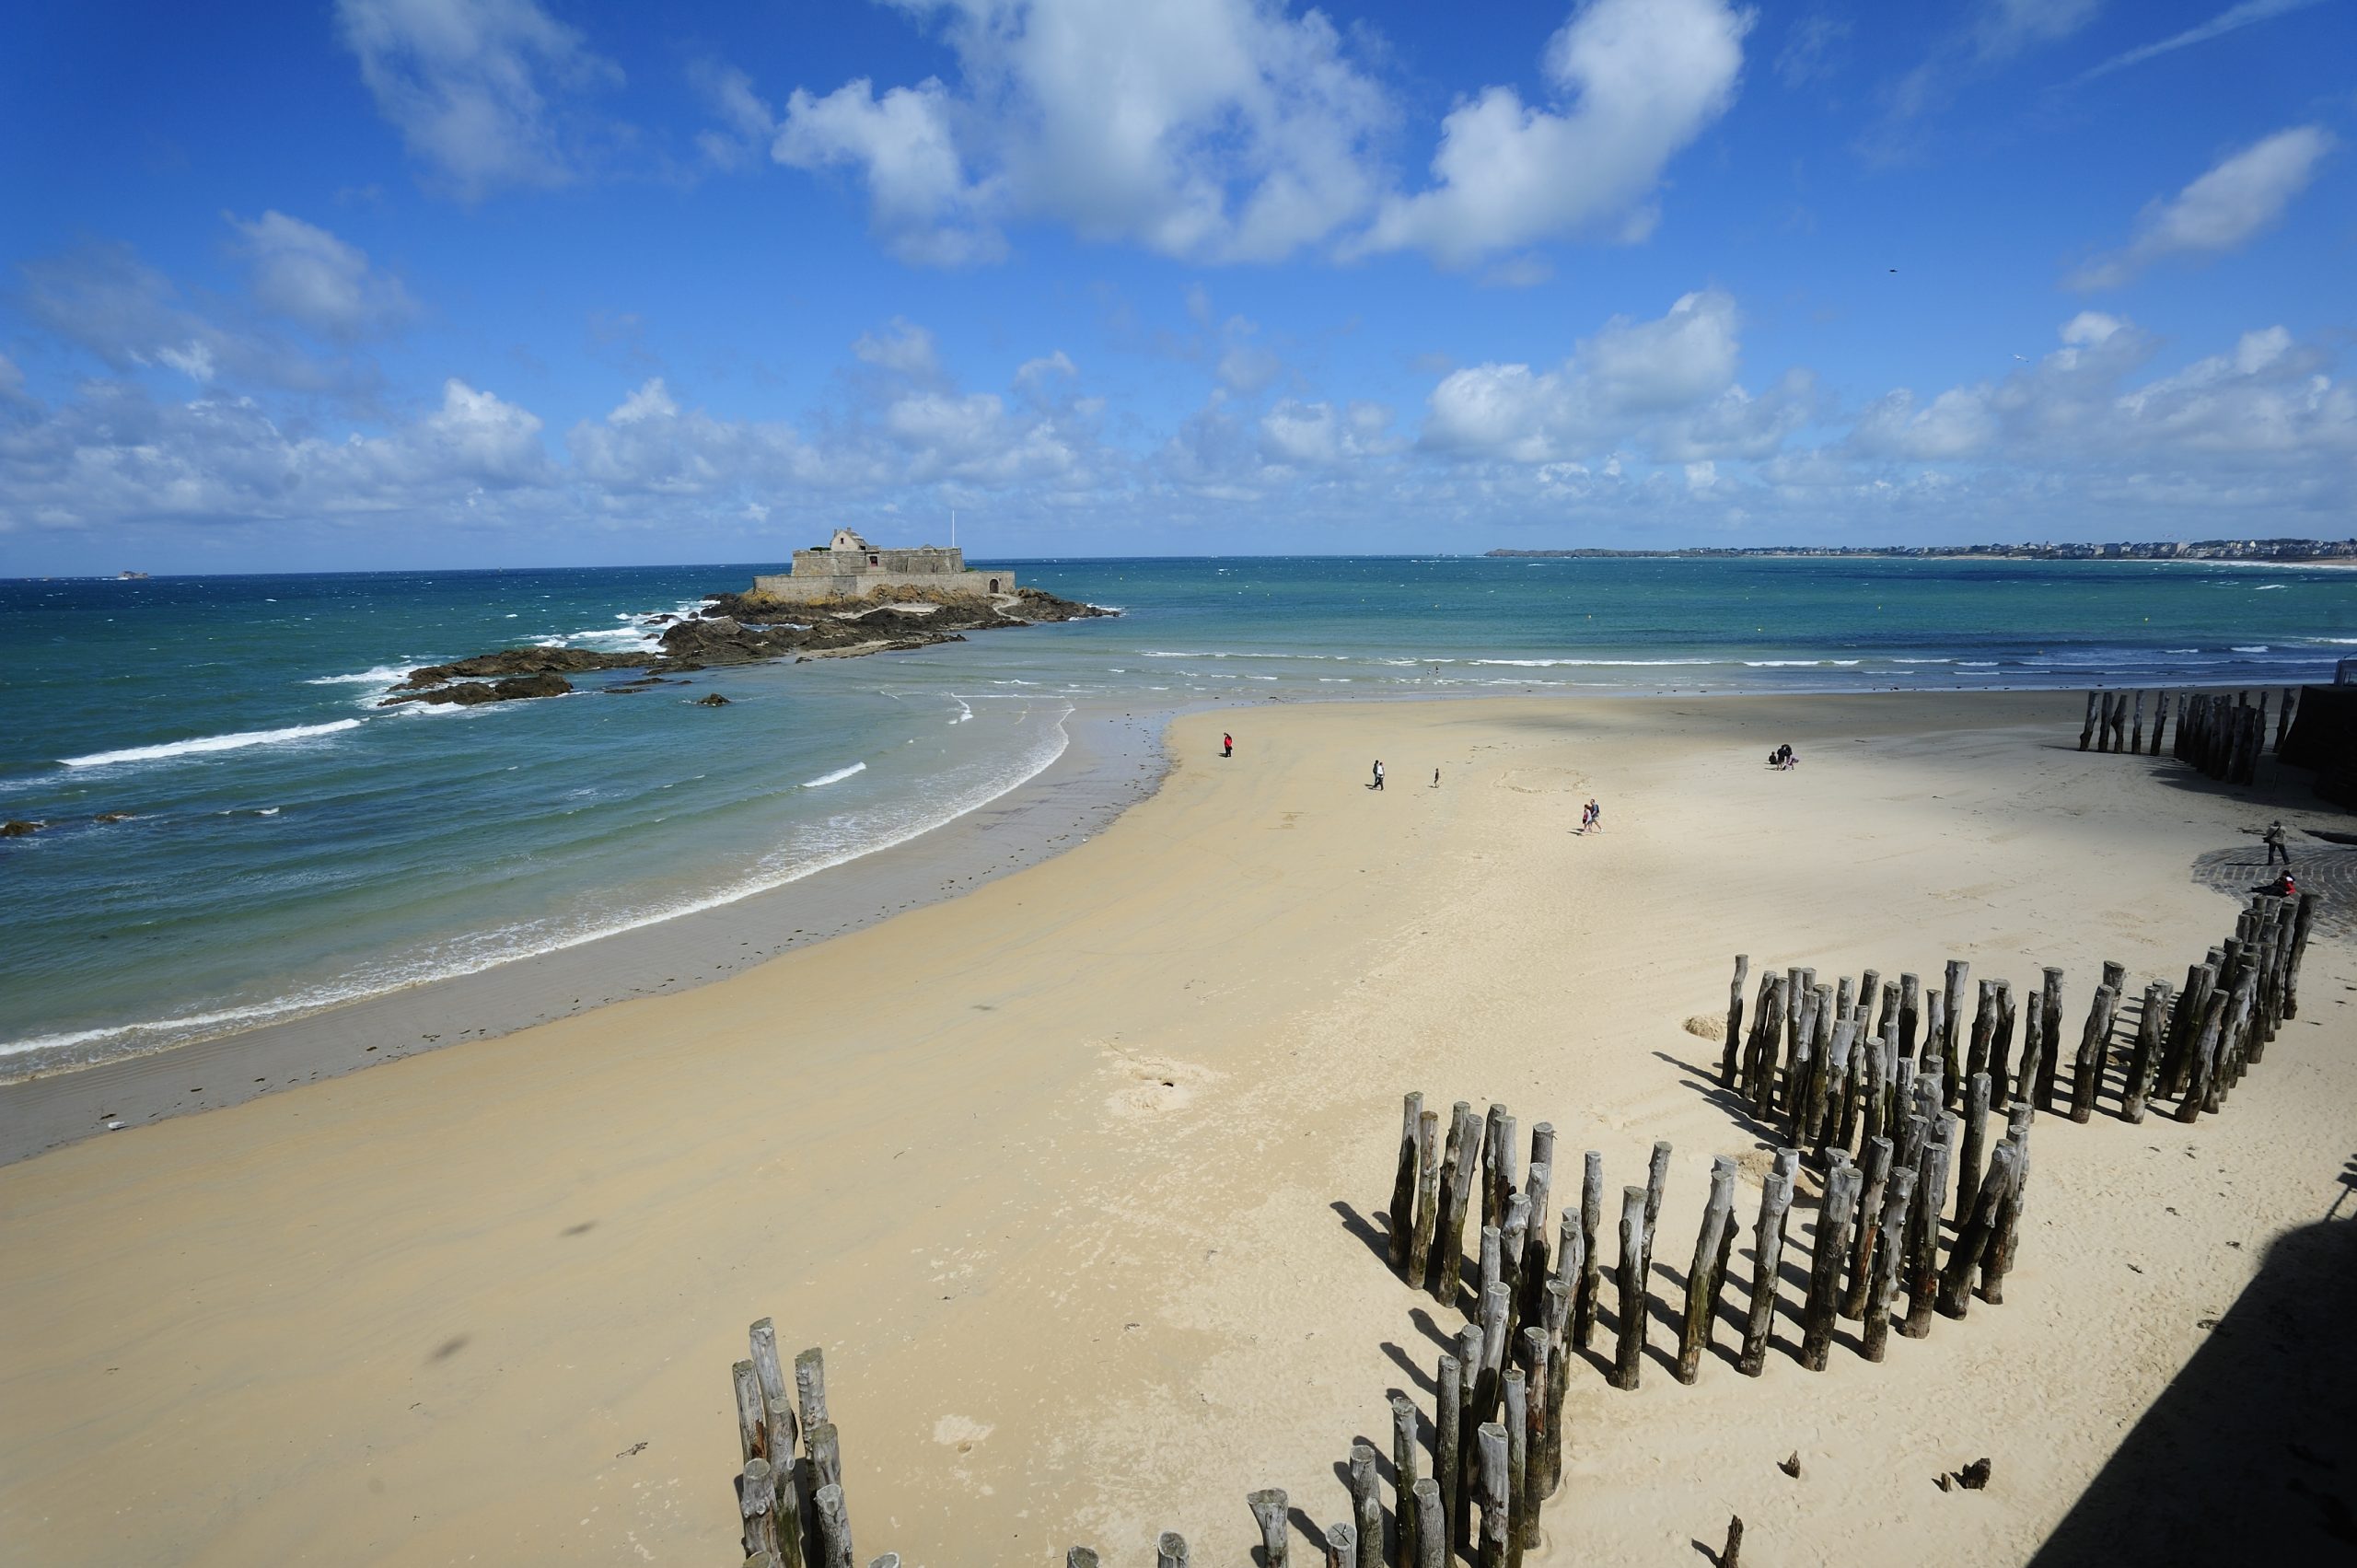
(1378, 775)
(2274, 838)
(1436, 778)
(1226, 743)
(1593, 822)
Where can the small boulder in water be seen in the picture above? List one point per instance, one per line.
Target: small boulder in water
(711, 699)
(17, 830)
(112, 816)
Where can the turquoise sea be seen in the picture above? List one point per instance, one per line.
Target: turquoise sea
(289, 844)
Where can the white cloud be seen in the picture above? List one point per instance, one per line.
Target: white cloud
(2246, 193)
(902, 347)
(1321, 434)
(1636, 81)
(1631, 375)
(477, 89)
(306, 274)
(1224, 130)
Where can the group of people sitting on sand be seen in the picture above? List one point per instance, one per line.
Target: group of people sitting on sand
(1784, 758)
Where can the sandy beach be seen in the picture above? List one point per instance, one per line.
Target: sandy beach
(1077, 1177)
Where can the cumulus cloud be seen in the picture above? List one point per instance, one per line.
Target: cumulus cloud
(902, 347)
(1629, 376)
(306, 274)
(1636, 82)
(2244, 195)
(1224, 130)
(481, 89)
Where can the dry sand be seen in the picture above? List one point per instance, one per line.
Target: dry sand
(1076, 1178)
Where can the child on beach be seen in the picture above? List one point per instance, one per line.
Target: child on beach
(1226, 743)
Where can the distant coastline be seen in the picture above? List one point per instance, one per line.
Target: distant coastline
(2264, 552)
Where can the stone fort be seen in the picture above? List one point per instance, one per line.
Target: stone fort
(848, 566)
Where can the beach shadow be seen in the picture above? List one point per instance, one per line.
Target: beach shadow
(2248, 1454)
(1299, 1518)
(1427, 1384)
(1377, 1241)
(1704, 1082)
(1431, 1329)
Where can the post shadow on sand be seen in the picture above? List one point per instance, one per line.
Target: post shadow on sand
(2249, 1455)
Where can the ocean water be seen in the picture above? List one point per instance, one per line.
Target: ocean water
(289, 844)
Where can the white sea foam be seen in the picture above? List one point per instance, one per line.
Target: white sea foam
(1921, 661)
(846, 839)
(237, 742)
(2251, 648)
(1586, 663)
(2267, 588)
(383, 675)
(836, 777)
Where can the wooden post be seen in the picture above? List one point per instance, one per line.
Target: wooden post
(1493, 1198)
(1493, 1349)
(1631, 1346)
(781, 1432)
(1976, 1139)
(834, 1527)
(1952, 1039)
(1984, 1029)
(1911, 1010)
(1703, 1280)
(1170, 1550)
(1404, 1472)
(1591, 1263)
(826, 1462)
(1536, 1364)
(1898, 1200)
(2087, 729)
(1656, 1182)
(1735, 1020)
(756, 1508)
(2094, 1046)
(1446, 1461)
(1465, 1150)
(1516, 1411)
(2136, 729)
(2205, 1056)
(1731, 1555)
(2000, 1045)
(2160, 721)
(1420, 1242)
(2049, 1040)
(1559, 1379)
(1268, 1508)
(1469, 1418)
(1431, 1526)
(1342, 1545)
(1768, 1241)
(1492, 1443)
(1366, 1505)
(1923, 1232)
(1517, 1243)
(1876, 1174)
(751, 1436)
(1826, 1255)
(1972, 1240)
(1539, 1186)
(2148, 1046)
(810, 1386)
(1501, 1178)
(1998, 1259)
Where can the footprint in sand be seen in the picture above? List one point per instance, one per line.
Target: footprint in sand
(960, 1431)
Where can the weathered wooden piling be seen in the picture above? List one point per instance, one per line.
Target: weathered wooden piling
(1464, 1153)
(1911, 1010)
(2049, 1039)
(1631, 1348)
(1875, 1180)
(1976, 1139)
(1517, 1409)
(1341, 1544)
(2087, 727)
(1469, 1419)
(1447, 1459)
(2148, 1024)
(2094, 1043)
(1703, 1280)
(1729, 1043)
(1972, 1240)
(1768, 1244)
(1405, 1468)
(1270, 1507)
(1656, 1183)
(2136, 728)
(1584, 1302)
(1170, 1550)
(1559, 1370)
(1491, 1442)
(1828, 1250)
(1923, 1231)
(1889, 1255)
(1366, 1505)
(834, 1527)
(2160, 721)
(1431, 1526)
(1953, 1030)
(1532, 1487)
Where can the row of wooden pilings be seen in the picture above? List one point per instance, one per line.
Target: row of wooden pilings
(1879, 1094)
(2223, 733)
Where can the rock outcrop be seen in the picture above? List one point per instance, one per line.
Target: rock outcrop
(734, 628)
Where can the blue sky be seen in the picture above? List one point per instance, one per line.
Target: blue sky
(444, 282)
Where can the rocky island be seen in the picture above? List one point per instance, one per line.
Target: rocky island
(842, 600)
